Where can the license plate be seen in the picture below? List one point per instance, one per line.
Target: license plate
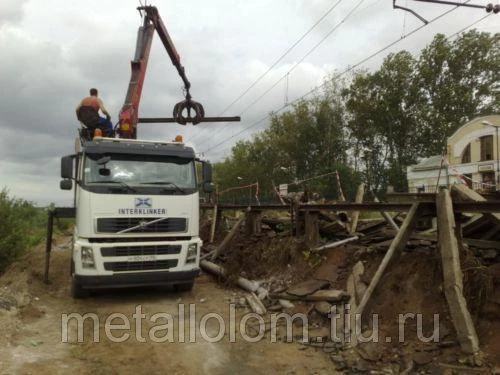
(141, 258)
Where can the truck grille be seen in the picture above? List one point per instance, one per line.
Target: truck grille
(119, 251)
(140, 266)
(117, 224)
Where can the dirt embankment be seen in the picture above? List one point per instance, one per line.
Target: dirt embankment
(408, 314)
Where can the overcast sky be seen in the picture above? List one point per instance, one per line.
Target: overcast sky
(53, 51)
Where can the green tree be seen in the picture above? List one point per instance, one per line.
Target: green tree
(457, 80)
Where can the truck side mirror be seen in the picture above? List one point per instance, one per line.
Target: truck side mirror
(208, 187)
(67, 166)
(207, 172)
(66, 184)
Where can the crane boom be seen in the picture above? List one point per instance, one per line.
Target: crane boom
(129, 114)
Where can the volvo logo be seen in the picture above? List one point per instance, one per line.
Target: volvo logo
(143, 203)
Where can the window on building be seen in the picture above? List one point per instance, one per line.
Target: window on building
(488, 181)
(486, 147)
(466, 155)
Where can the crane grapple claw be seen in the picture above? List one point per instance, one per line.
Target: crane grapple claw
(188, 105)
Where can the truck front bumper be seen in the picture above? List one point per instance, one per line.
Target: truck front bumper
(125, 280)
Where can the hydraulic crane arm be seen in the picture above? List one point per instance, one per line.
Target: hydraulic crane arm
(154, 17)
(129, 114)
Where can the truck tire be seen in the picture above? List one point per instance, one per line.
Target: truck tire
(77, 291)
(184, 287)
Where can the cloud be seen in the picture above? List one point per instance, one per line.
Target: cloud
(11, 11)
(53, 51)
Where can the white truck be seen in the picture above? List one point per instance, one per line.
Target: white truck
(137, 213)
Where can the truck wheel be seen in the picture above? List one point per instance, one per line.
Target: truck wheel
(77, 291)
(184, 287)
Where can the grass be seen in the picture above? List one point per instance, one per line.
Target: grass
(22, 226)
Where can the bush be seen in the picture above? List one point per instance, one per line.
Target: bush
(22, 226)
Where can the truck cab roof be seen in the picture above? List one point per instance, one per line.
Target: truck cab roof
(134, 146)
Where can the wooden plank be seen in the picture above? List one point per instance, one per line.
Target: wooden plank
(394, 251)
(465, 193)
(452, 274)
(483, 244)
(307, 287)
(491, 233)
(336, 243)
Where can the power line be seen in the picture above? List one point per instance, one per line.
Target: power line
(468, 27)
(303, 58)
(281, 57)
(335, 77)
(300, 61)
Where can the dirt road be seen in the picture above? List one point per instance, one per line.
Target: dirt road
(32, 330)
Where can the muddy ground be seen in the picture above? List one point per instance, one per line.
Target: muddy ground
(31, 333)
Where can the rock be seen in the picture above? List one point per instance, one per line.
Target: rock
(422, 358)
(286, 304)
(370, 351)
(337, 358)
(324, 308)
(7, 301)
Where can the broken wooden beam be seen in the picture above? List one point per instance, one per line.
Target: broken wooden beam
(452, 274)
(394, 251)
(328, 295)
(336, 243)
(388, 218)
(214, 223)
(255, 304)
(225, 242)
(467, 194)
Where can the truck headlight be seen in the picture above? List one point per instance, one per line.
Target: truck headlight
(87, 256)
(192, 253)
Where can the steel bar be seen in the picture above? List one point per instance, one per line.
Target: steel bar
(158, 120)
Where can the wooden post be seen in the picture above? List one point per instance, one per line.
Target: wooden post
(452, 274)
(311, 228)
(254, 222)
(355, 214)
(48, 244)
(394, 251)
(299, 221)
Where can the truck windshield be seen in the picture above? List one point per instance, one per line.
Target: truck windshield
(129, 174)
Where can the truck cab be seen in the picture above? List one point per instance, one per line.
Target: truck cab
(137, 213)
